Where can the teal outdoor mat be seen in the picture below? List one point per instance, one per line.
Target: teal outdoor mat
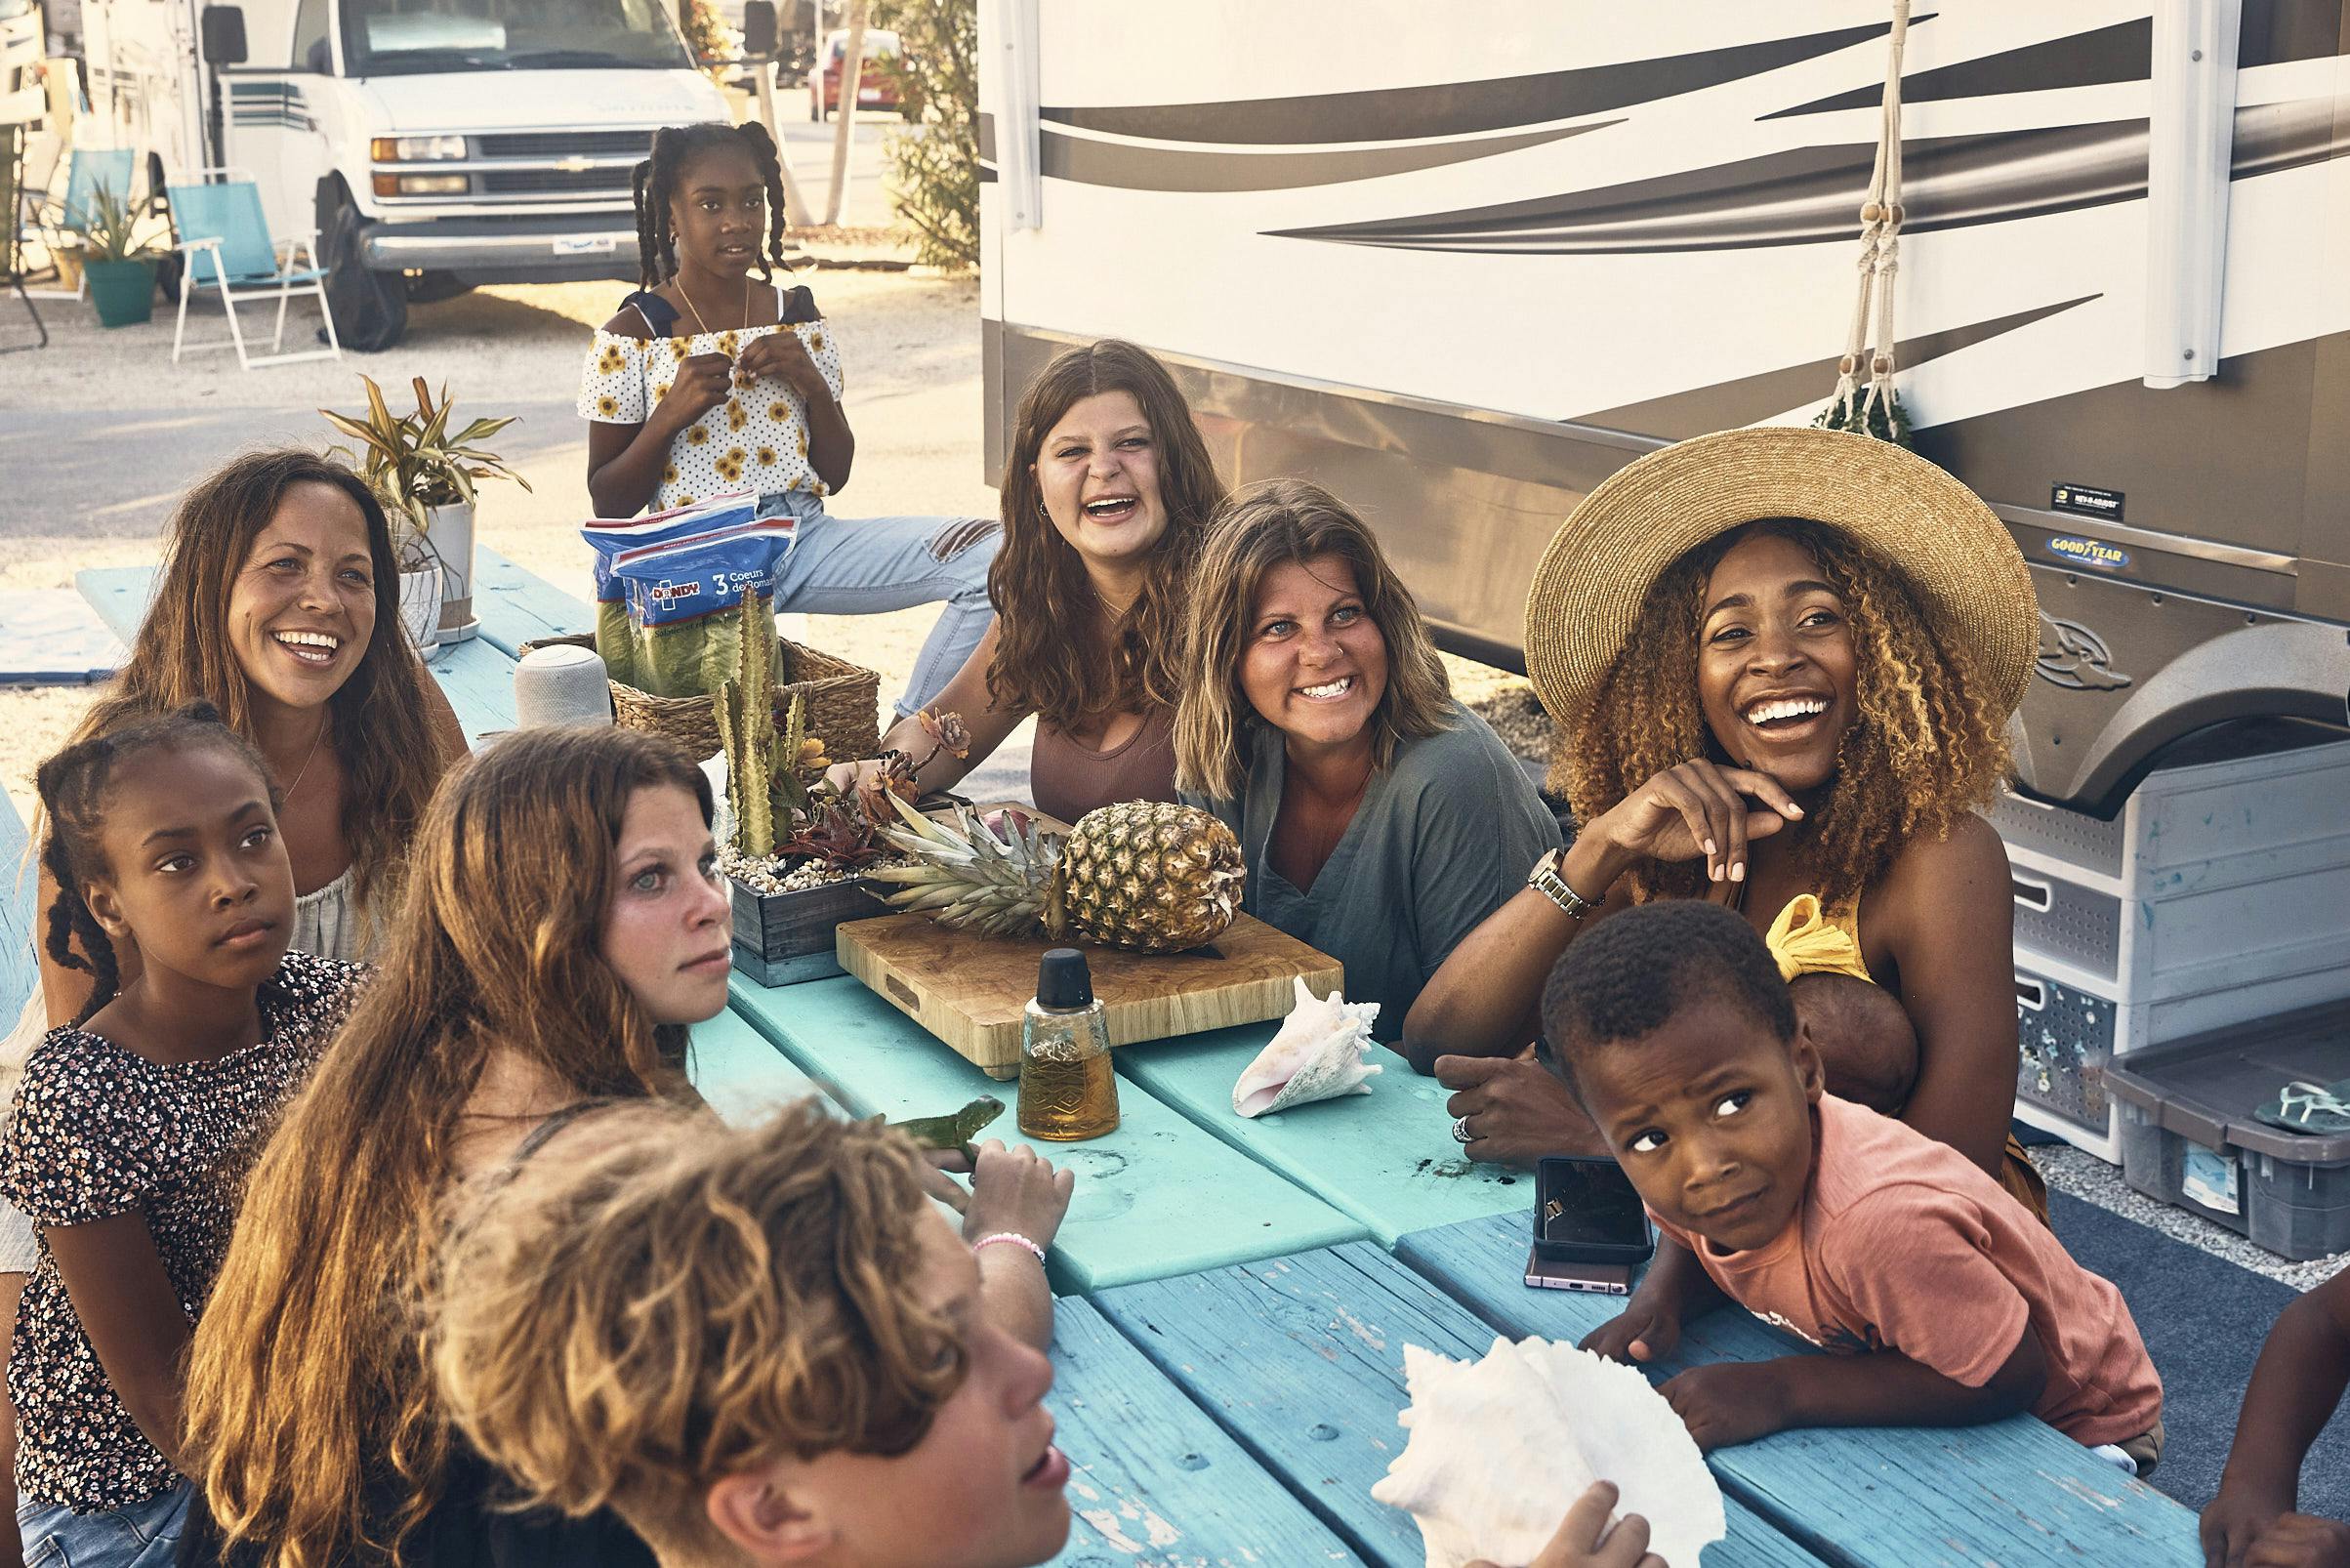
(49, 638)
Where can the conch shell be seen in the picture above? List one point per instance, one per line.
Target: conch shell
(1318, 1055)
(1501, 1448)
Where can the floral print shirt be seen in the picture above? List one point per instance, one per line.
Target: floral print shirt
(98, 1131)
(753, 442)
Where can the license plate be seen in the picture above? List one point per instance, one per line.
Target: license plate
(584, 245)
(871, 95)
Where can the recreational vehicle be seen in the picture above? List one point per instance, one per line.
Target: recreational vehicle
(1461, 263)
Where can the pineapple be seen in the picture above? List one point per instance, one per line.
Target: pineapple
(1142, 875)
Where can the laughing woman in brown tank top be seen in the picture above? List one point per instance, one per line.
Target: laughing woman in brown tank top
(1106, 491)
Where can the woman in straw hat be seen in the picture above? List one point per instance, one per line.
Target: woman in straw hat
(1782, 662)
(1381, 820)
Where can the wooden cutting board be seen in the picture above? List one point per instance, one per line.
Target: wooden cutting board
(969, 989)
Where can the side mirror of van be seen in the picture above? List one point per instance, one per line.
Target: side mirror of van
(222, 29)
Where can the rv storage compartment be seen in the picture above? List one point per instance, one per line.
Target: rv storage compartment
(2220, 896)
(2189, 1136)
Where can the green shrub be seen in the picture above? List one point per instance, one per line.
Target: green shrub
(934, 160)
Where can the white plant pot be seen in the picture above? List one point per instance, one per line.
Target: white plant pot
(450, 532)
(420, 607)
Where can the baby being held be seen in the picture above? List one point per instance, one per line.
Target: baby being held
(1949, 1303)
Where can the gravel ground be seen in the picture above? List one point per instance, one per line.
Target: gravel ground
(2090, 1179)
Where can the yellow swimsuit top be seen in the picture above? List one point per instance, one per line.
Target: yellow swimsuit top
(1808, 939)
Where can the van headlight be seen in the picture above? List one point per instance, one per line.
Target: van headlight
(421, 185)
(415, 148)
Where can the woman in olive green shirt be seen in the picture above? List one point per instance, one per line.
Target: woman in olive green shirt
(1381, 820)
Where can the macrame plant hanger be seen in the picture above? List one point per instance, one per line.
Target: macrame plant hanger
(1871, 408)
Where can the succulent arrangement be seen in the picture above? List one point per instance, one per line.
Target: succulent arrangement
(1142, 874)
(782, 810)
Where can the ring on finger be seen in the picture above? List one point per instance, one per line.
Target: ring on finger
(1461, 1134)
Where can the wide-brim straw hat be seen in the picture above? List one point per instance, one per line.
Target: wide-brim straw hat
(1936, 534)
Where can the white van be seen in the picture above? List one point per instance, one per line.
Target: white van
(432, 148)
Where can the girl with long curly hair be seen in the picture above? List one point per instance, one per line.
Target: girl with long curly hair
(714, 379)
(563, 926)
(1107, 490)
(1783, 663)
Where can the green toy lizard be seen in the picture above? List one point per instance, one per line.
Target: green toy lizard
(954, 1132)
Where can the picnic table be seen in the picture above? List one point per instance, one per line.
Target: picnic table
(1236, 1295)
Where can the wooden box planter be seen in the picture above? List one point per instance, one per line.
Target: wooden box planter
(785, 938)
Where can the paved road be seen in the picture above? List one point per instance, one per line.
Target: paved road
(76, 458)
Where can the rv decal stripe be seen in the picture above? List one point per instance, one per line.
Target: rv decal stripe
(2122, 52)
(1458, 108)
(1805, 195)
(1729, 405)
(1132, 168)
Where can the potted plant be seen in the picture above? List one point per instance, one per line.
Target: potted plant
(796, 854)
(425, 476)
(120, 265)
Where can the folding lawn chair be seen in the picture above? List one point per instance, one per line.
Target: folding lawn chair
(89, 173)
(221, 224)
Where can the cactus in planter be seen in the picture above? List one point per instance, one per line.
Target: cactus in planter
(746, 727)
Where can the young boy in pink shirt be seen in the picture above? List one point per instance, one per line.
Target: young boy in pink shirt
(1946, 1302)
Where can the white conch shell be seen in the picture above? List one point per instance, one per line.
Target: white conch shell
(1501, 1448)
(1318, 1055)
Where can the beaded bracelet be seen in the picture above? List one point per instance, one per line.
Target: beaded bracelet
(1011, 1237)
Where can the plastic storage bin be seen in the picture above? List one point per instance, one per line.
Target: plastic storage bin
(2069, 1035)
(2220, 894)
(2189, 1136)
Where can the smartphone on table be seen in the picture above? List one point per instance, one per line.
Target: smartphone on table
(1590, 1229)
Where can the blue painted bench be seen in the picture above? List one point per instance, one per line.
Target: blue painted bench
(1152, 1481)
(19, 882)
(2015, 1490)
(1159, 1196)
(1300, 1359)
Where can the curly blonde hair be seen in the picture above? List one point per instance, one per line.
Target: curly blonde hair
(623, 1325)
(1927, 745)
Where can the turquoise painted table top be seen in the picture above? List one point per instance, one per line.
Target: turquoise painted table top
(1387, 1157)
(2015, 1490)
(1301, 1358)
(515, 606)
(1158, 1196)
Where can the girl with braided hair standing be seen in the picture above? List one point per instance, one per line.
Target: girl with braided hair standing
(716, 380)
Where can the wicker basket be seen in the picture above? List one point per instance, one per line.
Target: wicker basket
(844, 703)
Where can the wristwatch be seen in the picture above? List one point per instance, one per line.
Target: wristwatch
(1545, 879)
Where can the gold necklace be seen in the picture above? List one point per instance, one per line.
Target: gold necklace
(314, 751)
(697, 309)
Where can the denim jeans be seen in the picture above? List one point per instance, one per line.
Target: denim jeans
(866, 566)
(144, 1535)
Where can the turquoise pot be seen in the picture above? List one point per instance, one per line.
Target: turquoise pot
(124, 292)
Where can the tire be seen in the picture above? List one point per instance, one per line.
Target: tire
(371, 309)
(815, 105)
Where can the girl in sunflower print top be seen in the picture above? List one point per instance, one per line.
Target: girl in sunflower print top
(713, 380)
(134, 1124)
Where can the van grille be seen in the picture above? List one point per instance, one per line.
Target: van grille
(566, 181)
(564, 144)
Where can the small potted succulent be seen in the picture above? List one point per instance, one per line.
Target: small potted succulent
(425, 476)
(798, 854)
(119, 265)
